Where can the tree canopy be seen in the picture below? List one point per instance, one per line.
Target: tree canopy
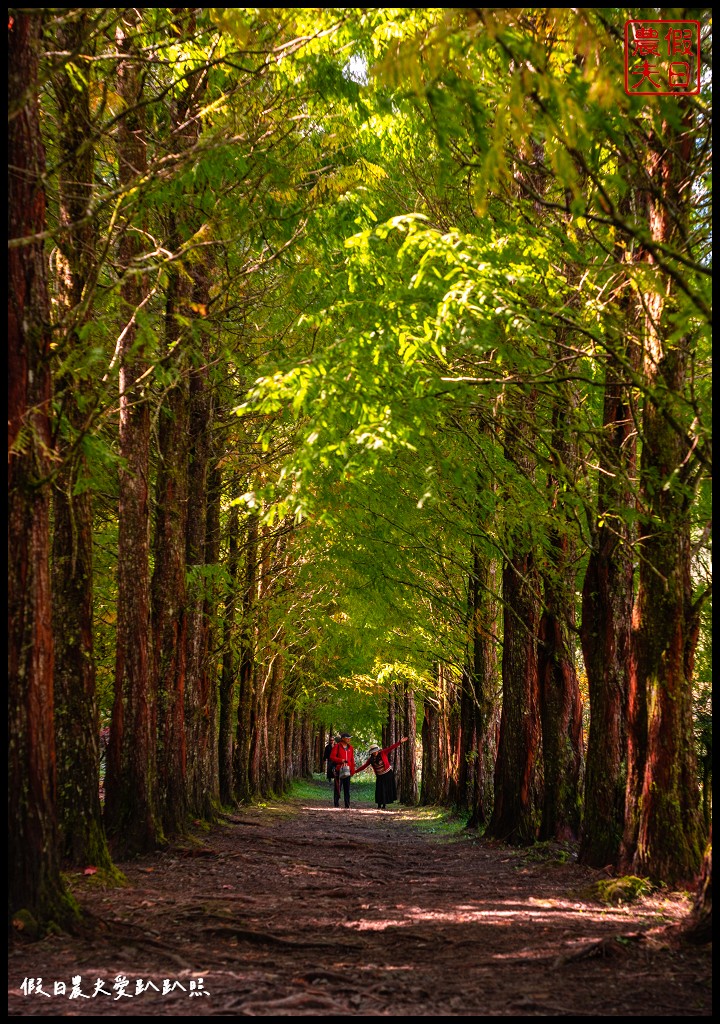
(360, 376)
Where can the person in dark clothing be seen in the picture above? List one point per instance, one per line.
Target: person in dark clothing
(342, 757)
(330, 768)
(385, 788)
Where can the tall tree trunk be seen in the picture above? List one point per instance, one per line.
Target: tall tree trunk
(453, 735)
(449, 732)
(285, 769)
(467, 732)
(438, 767)
(34, 881)
(389, 731)
(616, 714)
(517, 805)
(169, 586)
(467, 736)
(482, 684)
(407, 753)
(663, 835)
(431, 777)
(518, 769)
(264, 669)
(131, 784)
(298, 744)
(197, 723)
(211, 660)
(669, 837)
(276, 700)
(248, 652)
(306, 769)
(257, 723)
(560, 701)
(273, 754)
(77, 727)
(290, 722)
(605, 632)
(226, 693)
(697, 929)
(319, 742)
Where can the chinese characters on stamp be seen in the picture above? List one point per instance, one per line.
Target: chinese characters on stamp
(121, 988)
(662, 57)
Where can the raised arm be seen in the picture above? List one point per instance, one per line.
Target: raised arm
(387, 750)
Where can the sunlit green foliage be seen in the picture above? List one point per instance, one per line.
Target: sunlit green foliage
(405, 216)
(484, 253)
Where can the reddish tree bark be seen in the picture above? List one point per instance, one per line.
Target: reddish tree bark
(698, 927)
(248, 649)
(478, 714)
(560, 700)
(290, 723)
(518, 792)
(407, 752)
(169, 588)
(276, 698)
(561, 715)
(274, 747)
(402, 721)
(198, 698)
(130, 784)
(468, 731)
(210, 664)
(663, 833)
(77, 727)
(615, 745)
(438, 766)
(319, 742)
(605, 632)
(226, 694)
(668, 846)
(431, 773)
(389, 730)
(306, 764)
(263, 671)
(34, 881)
(518, 769)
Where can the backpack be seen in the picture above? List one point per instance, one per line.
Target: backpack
(330, 770)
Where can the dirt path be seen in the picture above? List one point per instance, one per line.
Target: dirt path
(299, 909)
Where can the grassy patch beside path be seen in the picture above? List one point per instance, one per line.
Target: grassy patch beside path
(438, 822)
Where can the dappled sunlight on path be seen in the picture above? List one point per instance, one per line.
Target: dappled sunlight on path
(299, 908)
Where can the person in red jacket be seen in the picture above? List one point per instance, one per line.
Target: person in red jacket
(342, 757)
(385, 788)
